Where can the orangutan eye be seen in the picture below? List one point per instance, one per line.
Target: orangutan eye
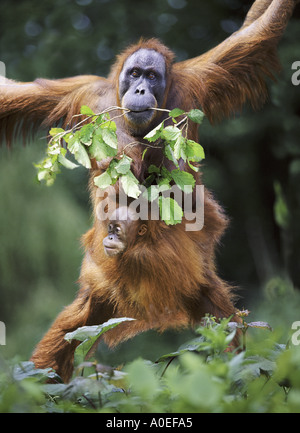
(135, 73)
(152, 75)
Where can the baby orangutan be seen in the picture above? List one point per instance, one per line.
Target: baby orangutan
(144, 270)
(120, 228)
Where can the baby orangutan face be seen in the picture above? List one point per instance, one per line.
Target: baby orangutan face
(122, 229)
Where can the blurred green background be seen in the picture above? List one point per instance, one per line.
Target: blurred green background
(252, 165)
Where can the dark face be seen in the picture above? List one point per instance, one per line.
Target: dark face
(142, 85)
(122, 229)
(116, 240)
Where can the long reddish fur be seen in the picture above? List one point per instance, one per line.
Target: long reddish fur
(167, 278)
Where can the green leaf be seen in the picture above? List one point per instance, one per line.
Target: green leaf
(155, 134)
(153, 169)
(67, 136)
(194, 151)
(100, 150)
(130, 185)
(254, 366)
(196, 116)
(176, 112)
(47, 175)
(99, 119)
(55, 131)
(103, 181)
(110, 138)
(170, 211)
(112, 171)
(86, 133)
(89, 335)
(123, 165)
(194, 345)
(66, 162)
(81, 155)
(110, 124)
(86, 110)
(171, 133)
(42, 175)
(168, 152)
(196, 169)
(180, 148)
(182, 178)
(75, 147)
(54, 149)
(27, 369)
(84, 332)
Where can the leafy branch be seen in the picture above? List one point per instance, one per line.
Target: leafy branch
(95, 137)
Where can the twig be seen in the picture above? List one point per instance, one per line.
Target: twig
(169, 362)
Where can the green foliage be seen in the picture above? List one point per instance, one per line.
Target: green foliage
(201, 376)
(98, 139)
(89, 335)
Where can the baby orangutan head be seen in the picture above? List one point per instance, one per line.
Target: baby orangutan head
(123, 228)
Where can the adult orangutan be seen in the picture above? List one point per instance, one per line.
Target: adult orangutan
(163, 276)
